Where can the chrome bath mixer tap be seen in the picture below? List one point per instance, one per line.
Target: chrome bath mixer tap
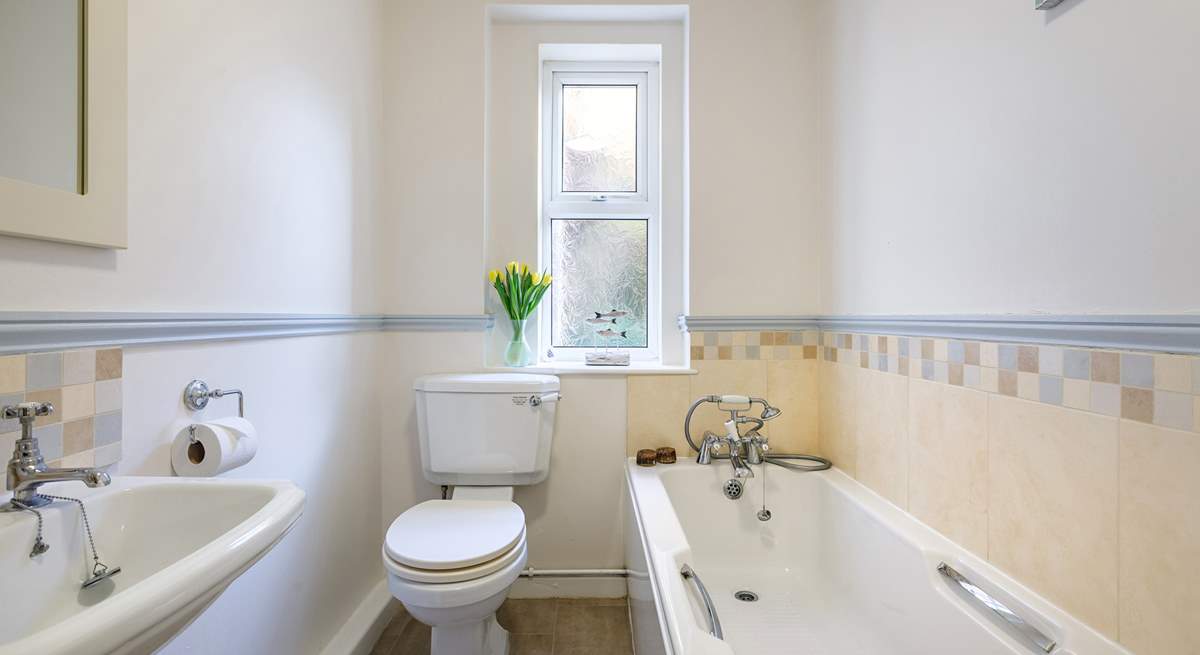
(743, 449)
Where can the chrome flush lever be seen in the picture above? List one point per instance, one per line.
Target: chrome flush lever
(553, 397)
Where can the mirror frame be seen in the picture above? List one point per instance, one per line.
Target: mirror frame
(97, 217)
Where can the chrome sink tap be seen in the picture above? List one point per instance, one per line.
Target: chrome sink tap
(27, 469)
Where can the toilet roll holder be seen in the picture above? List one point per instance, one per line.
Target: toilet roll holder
(197, 394)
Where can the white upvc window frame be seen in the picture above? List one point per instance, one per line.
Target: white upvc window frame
(644, 203)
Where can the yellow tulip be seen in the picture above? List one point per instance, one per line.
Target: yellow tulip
(537, 278)
(546, 279)
(524, 268)
(492, 275)
(512, 266)
(503, 277)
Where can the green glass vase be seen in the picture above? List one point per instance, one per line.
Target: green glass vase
(518, 353)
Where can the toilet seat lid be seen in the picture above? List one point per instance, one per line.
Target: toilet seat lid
(453, 534)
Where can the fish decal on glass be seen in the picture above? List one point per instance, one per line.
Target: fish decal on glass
(609, 333)
(601, 321)
(616, 313)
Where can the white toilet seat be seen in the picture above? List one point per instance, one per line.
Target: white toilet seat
(448, 595)
(464, 574)
(444, 535)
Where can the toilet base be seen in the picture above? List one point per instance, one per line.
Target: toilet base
(484, 637)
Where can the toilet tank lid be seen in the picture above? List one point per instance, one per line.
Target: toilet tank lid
(487, 383)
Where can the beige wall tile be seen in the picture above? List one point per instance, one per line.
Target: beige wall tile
(1027, 359)
(1173, 373)
(793, 387)
(1052, 504)
(881, 461)
(1160, 539)
(746, 378)
(1106, 367)
(656, 407)
(12, 373)
(52, 396)
(1137, 404)
(77, 436)
(85, 459)
(1196, 413)
(78, 401)
(947, 461)
(1077, 393)
(989, 354)
(1027, 385)
(838, 418)
(79, 366)
(989, 379)
(941, 350)
(109, 364)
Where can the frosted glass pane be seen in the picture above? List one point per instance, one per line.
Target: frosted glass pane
(599, 267)
(599, 139)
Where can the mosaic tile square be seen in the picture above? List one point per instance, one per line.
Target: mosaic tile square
(1173, 410)
(1106, 399)
(1106, 367)
(1137, 404)
(1077, 364)
(1137, 370)
(1008, 356)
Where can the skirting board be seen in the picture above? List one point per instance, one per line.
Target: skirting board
(568, 588)
(358, 634)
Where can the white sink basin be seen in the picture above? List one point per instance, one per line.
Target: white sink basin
(179, 543)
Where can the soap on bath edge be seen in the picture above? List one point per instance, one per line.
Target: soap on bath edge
(666, 455)
(646, 457)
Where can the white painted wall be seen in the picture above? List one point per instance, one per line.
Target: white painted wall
(252, 167)
(989, 158)
(251, 189)
(755, 156)
(314, 402)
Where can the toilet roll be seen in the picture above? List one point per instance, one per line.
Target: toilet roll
(213, 447)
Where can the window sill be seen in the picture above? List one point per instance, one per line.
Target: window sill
(579, 368)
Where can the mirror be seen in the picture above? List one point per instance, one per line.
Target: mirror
(41, 92)
(63, 94)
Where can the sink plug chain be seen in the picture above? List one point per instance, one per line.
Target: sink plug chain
(39, 545)
(100, 570)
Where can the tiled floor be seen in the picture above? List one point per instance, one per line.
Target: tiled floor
(544, 626)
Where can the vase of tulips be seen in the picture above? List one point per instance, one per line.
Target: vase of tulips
(520, 292)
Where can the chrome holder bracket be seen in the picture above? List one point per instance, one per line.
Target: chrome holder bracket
(197, 394)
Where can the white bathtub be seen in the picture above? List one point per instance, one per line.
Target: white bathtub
(837, 570)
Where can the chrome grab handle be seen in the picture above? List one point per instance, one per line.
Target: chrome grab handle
(714, 623)
(1010, 617)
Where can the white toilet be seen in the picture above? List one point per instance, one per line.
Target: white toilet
(451, 562)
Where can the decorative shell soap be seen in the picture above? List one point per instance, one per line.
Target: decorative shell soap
(665, 455)
(646, 457)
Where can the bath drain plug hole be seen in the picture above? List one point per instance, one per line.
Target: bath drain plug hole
(745, 596)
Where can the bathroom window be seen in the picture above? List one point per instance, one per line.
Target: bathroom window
(600, 208)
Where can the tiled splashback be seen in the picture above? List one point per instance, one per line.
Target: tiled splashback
(85, 388)
(1071, 469)
(1158, 388)
(780, 366)
(708, 346)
